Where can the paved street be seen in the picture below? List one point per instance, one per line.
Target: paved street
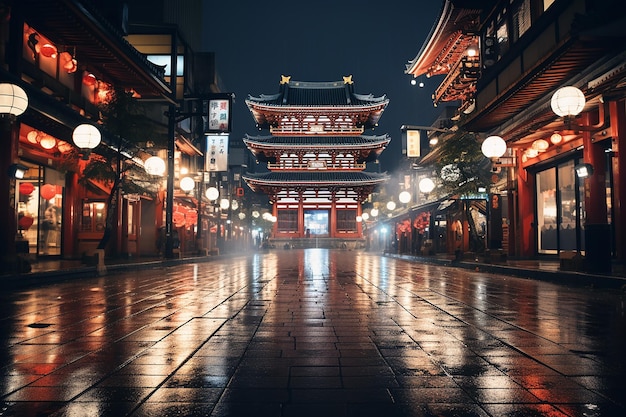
(312, 333)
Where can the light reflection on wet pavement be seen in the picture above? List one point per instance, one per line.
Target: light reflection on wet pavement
(311, 332)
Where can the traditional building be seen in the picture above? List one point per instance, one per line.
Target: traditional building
(316, 154)
(527, 51)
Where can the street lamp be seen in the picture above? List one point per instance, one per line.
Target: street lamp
(404, 197)
(493, 147)
(154, 166)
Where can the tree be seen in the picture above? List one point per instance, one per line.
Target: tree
(126, 127)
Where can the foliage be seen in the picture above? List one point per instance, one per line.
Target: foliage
(467, 167)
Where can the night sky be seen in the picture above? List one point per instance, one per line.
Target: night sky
(323, 40)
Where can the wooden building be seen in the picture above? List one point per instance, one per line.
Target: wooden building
(316, 154)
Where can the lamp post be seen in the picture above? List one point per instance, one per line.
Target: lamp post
(212, 193)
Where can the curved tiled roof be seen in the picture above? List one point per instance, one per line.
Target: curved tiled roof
(304, 93)
(361, 141)
(316, 178)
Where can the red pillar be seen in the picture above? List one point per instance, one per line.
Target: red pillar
(597, 230)
(526, 223)
(617, 113)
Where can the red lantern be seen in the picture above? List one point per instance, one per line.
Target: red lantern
(26, 188)
(48, 191)
(49, 51)
(89, 79)
(25, 222)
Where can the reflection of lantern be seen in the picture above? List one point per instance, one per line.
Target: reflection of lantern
(26, 188)
(48, 191)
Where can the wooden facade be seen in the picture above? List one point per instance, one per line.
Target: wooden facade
(316, 154)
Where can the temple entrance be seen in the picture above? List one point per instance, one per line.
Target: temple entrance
(316, 223)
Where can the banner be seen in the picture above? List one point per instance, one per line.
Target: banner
(216, 158)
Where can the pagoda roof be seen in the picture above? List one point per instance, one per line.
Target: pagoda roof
(318, 141)
(315, 179)
(311, 93)
(300, 99)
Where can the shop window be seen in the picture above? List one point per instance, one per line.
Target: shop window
(93, 216)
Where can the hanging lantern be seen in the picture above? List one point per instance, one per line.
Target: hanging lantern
(224, 203)
(404, 197)
(89, 79)
(25, 222)
(47, 142)
(48, 50)
(13, 99)
(391, 205)
(187, 184)
(26, 188)
(33, 136)
(154, 166)
(48, 191)
(212, 194)
(540, 145)
(68, 63)
(493, 147)
(567, 101)
(556, 138)
(426, 185)
(64, 146)
(86, 136)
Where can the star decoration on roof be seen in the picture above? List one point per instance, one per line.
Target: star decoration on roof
(348, 79)
(284, 79)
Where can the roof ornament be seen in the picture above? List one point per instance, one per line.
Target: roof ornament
(284, 79)
(348, 79)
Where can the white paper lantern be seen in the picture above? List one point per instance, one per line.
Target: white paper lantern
(567, 101)
(404, 197)
(493, 147)
(187, 184)
(212, 193)
(86, 136)
(426, 185)
(13, 99)
(154, 166)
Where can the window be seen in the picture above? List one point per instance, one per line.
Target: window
(287, 220)
(346, 220)
(521, 19)
(93, 216)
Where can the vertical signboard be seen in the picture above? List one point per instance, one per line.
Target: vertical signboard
(413, 143)
(219, 114)
(216, 152)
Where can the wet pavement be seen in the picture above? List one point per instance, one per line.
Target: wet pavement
(309, 333)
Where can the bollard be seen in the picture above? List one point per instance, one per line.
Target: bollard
(100, 267)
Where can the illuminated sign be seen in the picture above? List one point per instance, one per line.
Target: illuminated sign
(216, 153)
(219, 115)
